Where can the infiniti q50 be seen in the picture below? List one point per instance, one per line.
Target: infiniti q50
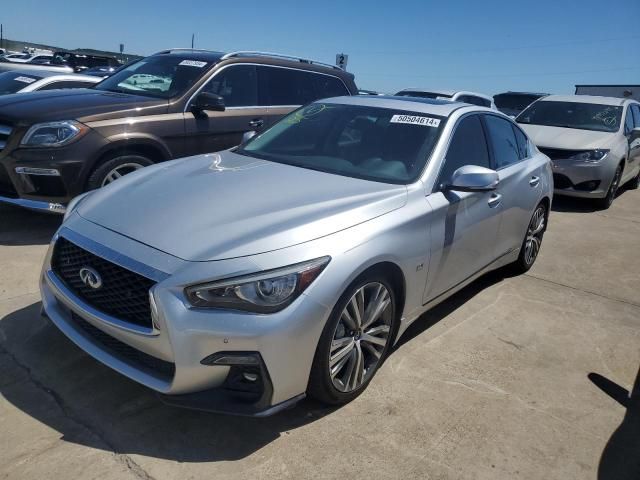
(243, 280)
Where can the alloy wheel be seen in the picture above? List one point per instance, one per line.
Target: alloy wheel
(120, 171)
(534, 235)
(360, 337)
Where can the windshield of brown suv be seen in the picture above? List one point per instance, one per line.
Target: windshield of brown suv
(158, 76)
(582, 116)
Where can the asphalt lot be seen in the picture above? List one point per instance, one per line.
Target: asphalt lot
(521, 377)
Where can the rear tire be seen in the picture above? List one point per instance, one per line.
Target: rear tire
(114, 168)
(635, 182)
(605, 203)
(532, 241)
(349, 354)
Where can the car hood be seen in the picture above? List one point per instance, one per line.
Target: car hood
(567, 138)
(81, 104)
(223, 205)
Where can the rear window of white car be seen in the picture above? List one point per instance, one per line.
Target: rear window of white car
(372, 143)
(582, 116)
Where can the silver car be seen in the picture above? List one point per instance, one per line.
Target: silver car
(593, 142)
(243, 280)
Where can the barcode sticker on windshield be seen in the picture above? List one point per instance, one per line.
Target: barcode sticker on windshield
(416, 120)
(193, 63)
(25, 79)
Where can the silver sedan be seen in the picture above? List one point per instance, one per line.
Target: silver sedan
(242, 281)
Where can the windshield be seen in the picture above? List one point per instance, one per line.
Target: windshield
(514, 101)
(583, 116)
(12, 82)
(380, 144)
(159, 76)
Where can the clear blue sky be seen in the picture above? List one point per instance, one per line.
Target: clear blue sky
(490, 46)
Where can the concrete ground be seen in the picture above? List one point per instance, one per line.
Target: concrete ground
(512, 378)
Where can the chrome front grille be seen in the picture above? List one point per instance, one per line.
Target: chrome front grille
(123, 294)
(5, 132)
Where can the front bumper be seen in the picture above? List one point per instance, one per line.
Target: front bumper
(27, 179)
(169, 357)
(584, 180)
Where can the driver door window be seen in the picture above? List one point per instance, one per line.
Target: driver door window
(468, 147)
(237, 85)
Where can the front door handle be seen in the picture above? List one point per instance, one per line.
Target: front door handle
(495, 200)
(534, 181)
(256, 123)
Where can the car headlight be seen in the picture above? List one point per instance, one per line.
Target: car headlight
(53, 134)
(73, 204)
(264, 292)
(591, 156)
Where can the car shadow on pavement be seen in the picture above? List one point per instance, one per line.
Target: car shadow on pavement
(24, 227)
(621, 456)
(46, 376)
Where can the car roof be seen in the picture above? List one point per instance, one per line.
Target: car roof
(442, 108)
(521, 93)
(585, 99)
(447, 93)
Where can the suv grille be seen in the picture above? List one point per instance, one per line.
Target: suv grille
(123, 294)
(5, 132)
(136, 358)
(559, 153)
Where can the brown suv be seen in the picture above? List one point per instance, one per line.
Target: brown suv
(55, 145)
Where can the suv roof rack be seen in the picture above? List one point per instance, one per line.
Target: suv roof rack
(250, 53)
(180, 49)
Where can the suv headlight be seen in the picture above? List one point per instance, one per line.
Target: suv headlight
(53, 134)
(264, 292)
(590, 156)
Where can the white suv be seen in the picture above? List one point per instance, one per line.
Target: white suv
(454, 95)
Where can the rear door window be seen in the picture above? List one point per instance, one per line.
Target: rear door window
(503, 141)
(524, 150)
(287, 86)
(237, 84)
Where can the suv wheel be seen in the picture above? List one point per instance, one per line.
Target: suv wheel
(606, 202)
(115, 168)
(635, 182)
(532, 240)
(355, 340)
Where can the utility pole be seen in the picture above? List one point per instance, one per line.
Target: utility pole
(193, 36)
(1, 36)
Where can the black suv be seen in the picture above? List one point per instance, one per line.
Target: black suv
(55, 145)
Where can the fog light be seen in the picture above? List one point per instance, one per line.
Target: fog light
(45, 172)
(250, 377)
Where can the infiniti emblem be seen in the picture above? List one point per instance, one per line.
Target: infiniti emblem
(90, 277)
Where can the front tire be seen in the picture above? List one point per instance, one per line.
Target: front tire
(532, 240)
(605, 203)
(115, 168)
(355, 341)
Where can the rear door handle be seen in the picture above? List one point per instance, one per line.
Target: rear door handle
(534, 181)
(256, 123)
(495, 200)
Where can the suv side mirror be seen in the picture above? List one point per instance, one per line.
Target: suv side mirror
(635, 134)
(207, 101)
(472, 178)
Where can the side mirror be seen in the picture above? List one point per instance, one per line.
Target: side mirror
(635, 134)
(472, 178)
(246, 136)
(207, 101)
